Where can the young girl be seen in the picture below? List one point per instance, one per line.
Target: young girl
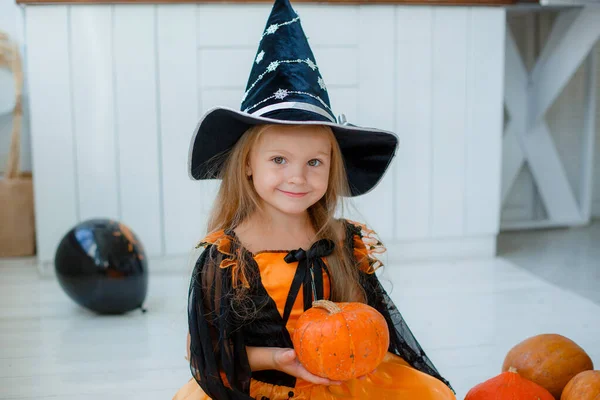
(274, 244)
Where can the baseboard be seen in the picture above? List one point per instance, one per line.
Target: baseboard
(596, 209)
(540, 224)
(441, 248)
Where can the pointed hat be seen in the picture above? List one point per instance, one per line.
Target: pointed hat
(285, 87)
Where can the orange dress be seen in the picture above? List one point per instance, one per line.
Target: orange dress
(273, 281)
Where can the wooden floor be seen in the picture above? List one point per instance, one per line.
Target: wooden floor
(466, 314)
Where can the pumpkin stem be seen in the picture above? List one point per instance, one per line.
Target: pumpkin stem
(513, 370)
(330, 306)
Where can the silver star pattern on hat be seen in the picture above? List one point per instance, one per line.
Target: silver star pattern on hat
(281, 94)
(322, 83)
(273, 66)
(260, 56)
(274, 27)
(311, 64)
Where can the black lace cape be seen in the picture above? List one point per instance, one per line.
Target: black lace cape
(220, 329)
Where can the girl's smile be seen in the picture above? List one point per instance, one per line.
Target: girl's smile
(292, 194)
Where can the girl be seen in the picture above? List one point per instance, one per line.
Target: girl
(275, 245)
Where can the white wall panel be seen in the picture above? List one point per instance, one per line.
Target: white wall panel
(178, 110)
(220, 96)
(376, 94)
(345, 101)
(449, 121)
(230, 25)
(137, 127)
(53, 146)
(413, 109)
(94, 112)
(338, 66)
(225, 68)
(484, 116)
(329, 25)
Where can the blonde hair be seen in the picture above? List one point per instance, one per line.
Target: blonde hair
(237, 200)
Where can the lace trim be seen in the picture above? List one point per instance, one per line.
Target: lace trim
(366, 247)
(232, 252)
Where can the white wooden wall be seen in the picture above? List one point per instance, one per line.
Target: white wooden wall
(117, 90)
(565, 120)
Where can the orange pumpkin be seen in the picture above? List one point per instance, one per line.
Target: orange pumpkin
(508, 386)
(340, 341)
(549, 360)
(584, 386)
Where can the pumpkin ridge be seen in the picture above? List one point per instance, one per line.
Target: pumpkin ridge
(320, 353)
(376, 330)
(305, 329)
(351, 342)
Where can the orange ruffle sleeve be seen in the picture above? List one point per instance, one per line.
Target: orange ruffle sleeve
(367, 247)
(222, 242)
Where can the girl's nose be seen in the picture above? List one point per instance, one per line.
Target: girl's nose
(296, 176)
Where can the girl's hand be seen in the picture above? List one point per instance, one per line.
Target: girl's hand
(285, 360)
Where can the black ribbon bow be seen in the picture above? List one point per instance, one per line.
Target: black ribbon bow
(309, 274)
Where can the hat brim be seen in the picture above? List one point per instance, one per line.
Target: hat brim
(367, 152)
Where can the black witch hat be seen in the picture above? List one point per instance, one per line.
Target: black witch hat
(285, 87)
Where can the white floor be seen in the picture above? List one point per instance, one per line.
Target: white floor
(569, 258)
(466, 314)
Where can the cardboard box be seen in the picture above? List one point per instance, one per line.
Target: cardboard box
(17, 217)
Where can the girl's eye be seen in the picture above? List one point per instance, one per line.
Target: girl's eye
(278, 160)
(314, 163)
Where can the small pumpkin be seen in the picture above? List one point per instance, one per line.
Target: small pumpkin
(340, 341)
(550, 360)
(508, 386)
(584, 386)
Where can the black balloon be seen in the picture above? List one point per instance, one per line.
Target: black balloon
(101, 265)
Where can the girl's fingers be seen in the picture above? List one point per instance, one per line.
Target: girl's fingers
(319, 381)
(289, 355)
(307, 376)
(285, 357)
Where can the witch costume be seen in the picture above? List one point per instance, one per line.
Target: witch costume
(285, 87)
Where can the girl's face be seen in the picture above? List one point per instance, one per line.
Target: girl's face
(289, 166)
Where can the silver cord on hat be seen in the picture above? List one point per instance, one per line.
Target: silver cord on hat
(290, 105)
(342, 119)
